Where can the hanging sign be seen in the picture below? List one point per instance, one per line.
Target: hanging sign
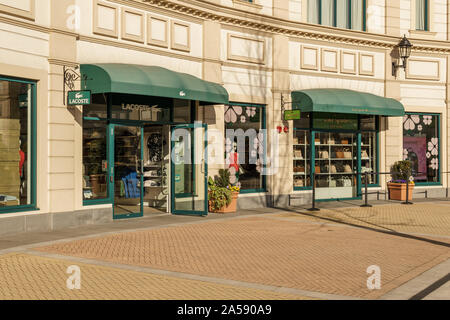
(76, 98)
(292, 115)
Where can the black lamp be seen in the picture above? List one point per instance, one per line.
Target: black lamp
(404, 50)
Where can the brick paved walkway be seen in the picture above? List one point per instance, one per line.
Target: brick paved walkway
(281, 250)
(31, 277)
(422, 218)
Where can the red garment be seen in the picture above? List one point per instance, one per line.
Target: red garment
(234, 161)
(22, 160)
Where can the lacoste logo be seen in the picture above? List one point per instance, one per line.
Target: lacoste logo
(182, 94)
(78, 95)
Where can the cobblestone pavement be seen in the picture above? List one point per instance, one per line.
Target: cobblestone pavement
(288, 250)
(29, 277)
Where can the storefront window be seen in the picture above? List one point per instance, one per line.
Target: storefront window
(336, 151)
(95, 168)
(336, 162)
(369, 157)
(16, 170)
(302, 151)
(245, 145)
(421, 146)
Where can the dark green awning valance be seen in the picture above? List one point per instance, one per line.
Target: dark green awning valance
(150, 81)
(345, 101)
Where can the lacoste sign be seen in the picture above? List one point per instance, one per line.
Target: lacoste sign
(75, 98)
(139, 107)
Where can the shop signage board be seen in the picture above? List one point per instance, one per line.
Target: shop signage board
(77, 98)
(333, 121)
(292, 115)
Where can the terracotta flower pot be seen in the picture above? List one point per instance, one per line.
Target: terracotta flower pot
(227, 209)
(397, 191)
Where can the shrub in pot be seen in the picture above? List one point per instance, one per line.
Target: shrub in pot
(401, 174)
(222, 196)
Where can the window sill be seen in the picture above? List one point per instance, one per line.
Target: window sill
(16, 209)
(248, 193)
(420, 34)
(247, 6)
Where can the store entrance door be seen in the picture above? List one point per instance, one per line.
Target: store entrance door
(189, 170)
(336, 164)
(126, 175)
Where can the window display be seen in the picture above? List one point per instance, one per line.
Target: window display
(302, 152)
(421, 145)
(336, 161)
(336, 155)
(15, 143)
(302, 163)
(369, 157)
(245, 165)
(94, 160)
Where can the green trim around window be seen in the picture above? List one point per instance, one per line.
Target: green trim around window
(33, 140)
(349, 18)
(263, 127)
(439, 183)
(426, 16)
(109, 140)
(359, 132)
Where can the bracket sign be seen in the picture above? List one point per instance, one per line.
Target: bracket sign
(70, 77)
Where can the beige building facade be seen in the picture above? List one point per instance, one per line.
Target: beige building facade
(261, 52)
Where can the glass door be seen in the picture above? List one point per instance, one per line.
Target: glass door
(127, 171)
(189, 170)
(336, 165)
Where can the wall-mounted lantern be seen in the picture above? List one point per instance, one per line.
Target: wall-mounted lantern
(404, 52)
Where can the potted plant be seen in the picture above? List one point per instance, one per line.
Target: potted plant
(401, 173)
(222, 196)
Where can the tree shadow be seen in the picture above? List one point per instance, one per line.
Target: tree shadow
(387, 231)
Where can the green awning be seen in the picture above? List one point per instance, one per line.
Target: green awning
(150, 81)
(345, 101)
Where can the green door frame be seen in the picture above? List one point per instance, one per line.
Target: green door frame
(32, 105)
(111, 172)
(358, 160)
(194, 126)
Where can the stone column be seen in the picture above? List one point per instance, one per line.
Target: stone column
(65, 126)
(212, 71)
(281, 182)
(392, 127)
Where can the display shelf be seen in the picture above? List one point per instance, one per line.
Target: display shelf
(301, 147)
(335, 173)
(335, 145)
(326, 178)
(336, 159)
